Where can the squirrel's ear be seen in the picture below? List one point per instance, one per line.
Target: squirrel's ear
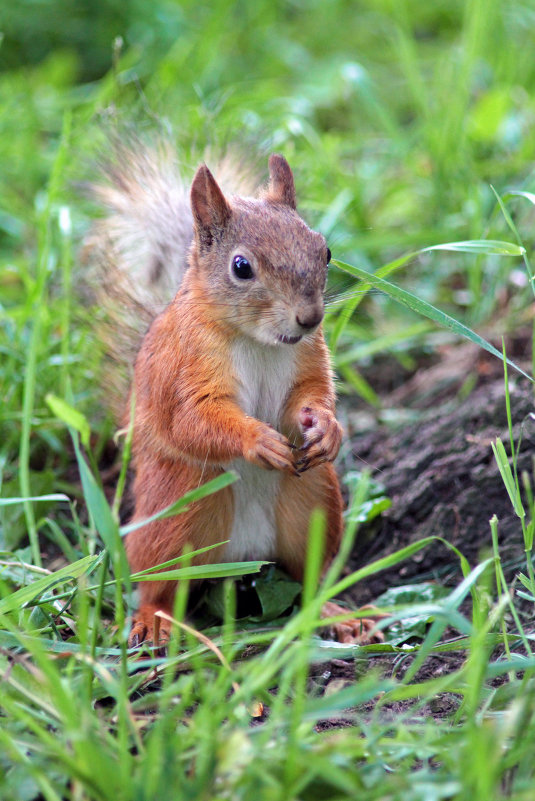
(281, 181)
(210, 209)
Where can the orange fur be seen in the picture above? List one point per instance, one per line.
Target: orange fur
(236, 373)
(188, 425)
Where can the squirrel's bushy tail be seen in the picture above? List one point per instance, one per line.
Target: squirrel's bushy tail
(137, 252)
(139, 247)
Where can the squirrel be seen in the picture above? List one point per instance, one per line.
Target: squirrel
(234, 373)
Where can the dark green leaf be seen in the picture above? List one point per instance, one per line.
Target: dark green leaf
(410, 627)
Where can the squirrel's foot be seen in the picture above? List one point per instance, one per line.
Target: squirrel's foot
(322, 434)
(359, 631)
(149, 628)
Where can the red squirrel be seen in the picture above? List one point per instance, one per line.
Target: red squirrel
(234, 373)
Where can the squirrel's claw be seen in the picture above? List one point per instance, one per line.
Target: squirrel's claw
(358, 630)
(138, 634)
(272, 463)
(148, 628)
(272, 451)
(322, 437)
(311, 440)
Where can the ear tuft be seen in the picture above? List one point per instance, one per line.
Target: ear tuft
(281, 181)
(208, 205)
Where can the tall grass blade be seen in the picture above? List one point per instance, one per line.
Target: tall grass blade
(507, 476)
(54, 496)
(182, 504)
(426, 309)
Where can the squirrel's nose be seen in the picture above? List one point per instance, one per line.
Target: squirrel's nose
(309, 318)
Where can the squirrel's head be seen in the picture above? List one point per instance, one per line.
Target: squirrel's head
(262, 268)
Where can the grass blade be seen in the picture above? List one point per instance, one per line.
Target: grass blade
(181, 504)
(17, 599)
(481, 247)
(507, 476)
(426, 309)
(55, 496)
(70, 416)
(201, 572)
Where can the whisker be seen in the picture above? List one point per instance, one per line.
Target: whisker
(372, 467)
(345, 297)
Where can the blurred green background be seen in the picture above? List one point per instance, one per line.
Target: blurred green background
(400, 113)
(397, 116)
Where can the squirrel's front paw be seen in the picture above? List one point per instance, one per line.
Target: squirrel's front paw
(322, 434)
(269, 449)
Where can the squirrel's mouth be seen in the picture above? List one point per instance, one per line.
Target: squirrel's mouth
(288, 340)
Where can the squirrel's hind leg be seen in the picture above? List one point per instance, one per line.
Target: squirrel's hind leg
(148, 546)
(319, 487)
(355, 630)
(297, 498)
(206, 523)
(149, 627)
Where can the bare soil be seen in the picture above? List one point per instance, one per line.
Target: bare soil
(439, 470)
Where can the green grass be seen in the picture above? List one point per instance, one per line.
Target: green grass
(409, 128)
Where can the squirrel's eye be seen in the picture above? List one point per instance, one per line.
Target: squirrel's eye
(328, 255)
(241, 268)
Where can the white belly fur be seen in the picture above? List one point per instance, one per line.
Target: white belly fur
(265, 376)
